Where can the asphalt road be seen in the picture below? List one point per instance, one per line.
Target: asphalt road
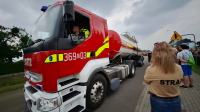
(12, 101)
(123, 100)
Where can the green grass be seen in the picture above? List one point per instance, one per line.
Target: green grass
(10, 83)
(196, 69)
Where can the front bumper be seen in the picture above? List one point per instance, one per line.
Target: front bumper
(68, 103)
(32, 95)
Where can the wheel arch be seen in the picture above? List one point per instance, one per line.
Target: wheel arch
(99, 71)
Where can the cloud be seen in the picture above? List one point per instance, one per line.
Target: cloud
(150, 15)
(187, 20)
(102, 7)
(21, 13)
(148, 20)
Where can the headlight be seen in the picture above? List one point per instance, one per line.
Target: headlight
(48, 104)
(27, 74)
(34, 77)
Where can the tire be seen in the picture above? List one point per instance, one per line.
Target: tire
(132, 68)
(96, 92)
(140, 63)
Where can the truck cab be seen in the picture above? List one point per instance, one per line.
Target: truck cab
(64, 74)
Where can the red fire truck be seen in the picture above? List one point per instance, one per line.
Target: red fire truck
(63, 75)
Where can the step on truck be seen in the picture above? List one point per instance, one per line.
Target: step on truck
(67, 74)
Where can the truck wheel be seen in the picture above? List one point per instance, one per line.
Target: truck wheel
(132, 70)
(96, 92)
(132, 67)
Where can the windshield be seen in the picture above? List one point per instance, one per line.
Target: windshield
(46, 24)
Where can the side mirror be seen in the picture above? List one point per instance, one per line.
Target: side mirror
(44, 8)
(69, 11)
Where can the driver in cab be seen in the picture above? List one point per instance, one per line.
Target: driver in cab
(77, 36)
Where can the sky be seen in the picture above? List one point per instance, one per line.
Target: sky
(149, 21)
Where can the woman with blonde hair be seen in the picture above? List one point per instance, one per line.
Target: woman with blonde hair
(164, 77)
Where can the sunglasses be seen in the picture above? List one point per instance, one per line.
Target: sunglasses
(156, 43)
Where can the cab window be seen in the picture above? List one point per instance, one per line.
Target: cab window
(79, 30)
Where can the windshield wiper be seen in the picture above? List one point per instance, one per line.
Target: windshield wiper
(38, 40)
(34, 42)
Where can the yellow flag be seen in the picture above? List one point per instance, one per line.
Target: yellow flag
(176, 36)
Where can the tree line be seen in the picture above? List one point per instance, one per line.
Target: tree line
(12, 41)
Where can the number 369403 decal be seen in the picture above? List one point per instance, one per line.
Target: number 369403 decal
(65, 57)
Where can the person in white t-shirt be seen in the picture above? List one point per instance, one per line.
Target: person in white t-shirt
(184, 56)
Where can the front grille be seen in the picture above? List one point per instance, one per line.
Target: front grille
(78, 108)
(68, 81)
(70, 95)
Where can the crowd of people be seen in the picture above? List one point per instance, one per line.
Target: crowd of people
(170, 69)
(183, 56)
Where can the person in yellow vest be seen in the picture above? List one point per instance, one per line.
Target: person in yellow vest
(85, 32)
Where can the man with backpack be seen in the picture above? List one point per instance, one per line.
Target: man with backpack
(186, 61)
